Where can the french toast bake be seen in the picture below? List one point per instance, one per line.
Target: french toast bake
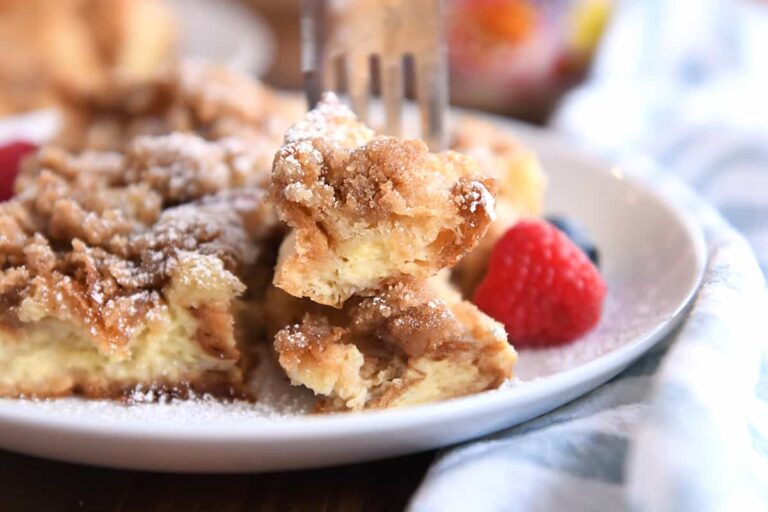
(179, 225)
(367, 211)
(130, 267)
(113, 278)
(410, 342)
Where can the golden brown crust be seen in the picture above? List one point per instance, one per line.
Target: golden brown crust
(412, 343)
(369, 215)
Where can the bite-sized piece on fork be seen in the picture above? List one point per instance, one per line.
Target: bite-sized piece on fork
(368, 211)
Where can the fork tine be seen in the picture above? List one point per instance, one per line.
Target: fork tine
(359, 83)
(410, 28)
(313, 13)
(392, 87)
(432, 96)
(332, 73)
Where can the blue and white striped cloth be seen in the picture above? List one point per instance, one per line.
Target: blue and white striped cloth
(684, 82)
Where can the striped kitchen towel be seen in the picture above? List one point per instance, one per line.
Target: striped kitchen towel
(686, 428)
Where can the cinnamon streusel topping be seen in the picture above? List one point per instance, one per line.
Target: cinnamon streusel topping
(93, 241)
(205, 99)
(411, 343)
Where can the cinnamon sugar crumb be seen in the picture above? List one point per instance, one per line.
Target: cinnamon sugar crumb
(89, 234)
(209, 100)
(409, 343)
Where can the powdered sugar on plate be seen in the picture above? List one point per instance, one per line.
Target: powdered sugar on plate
(279, 401)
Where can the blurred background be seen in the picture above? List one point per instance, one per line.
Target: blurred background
(515, 57)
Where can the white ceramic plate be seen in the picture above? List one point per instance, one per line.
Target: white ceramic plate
(653, 258)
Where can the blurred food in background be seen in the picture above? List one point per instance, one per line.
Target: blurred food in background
(514, 57)
(54, 49)
(517, 57)
(283, 18)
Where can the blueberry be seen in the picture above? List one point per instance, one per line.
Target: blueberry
(578, 235)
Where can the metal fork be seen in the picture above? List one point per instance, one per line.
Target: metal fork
(346, 43)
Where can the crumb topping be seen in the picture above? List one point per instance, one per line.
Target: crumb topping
(502, 156)
(181, 167)
(406, 315)
(399, 339)
(331, 121)
(99, 236)
(211, 101)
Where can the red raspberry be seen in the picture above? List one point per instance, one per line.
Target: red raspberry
(10, 158)
(541, 286)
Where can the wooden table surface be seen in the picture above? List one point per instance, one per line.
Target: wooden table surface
(31, 484)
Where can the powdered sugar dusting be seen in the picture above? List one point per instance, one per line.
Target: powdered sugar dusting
(331, 121)
(295, 337)
(485, 200)
(619, 326)
(475, 196)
